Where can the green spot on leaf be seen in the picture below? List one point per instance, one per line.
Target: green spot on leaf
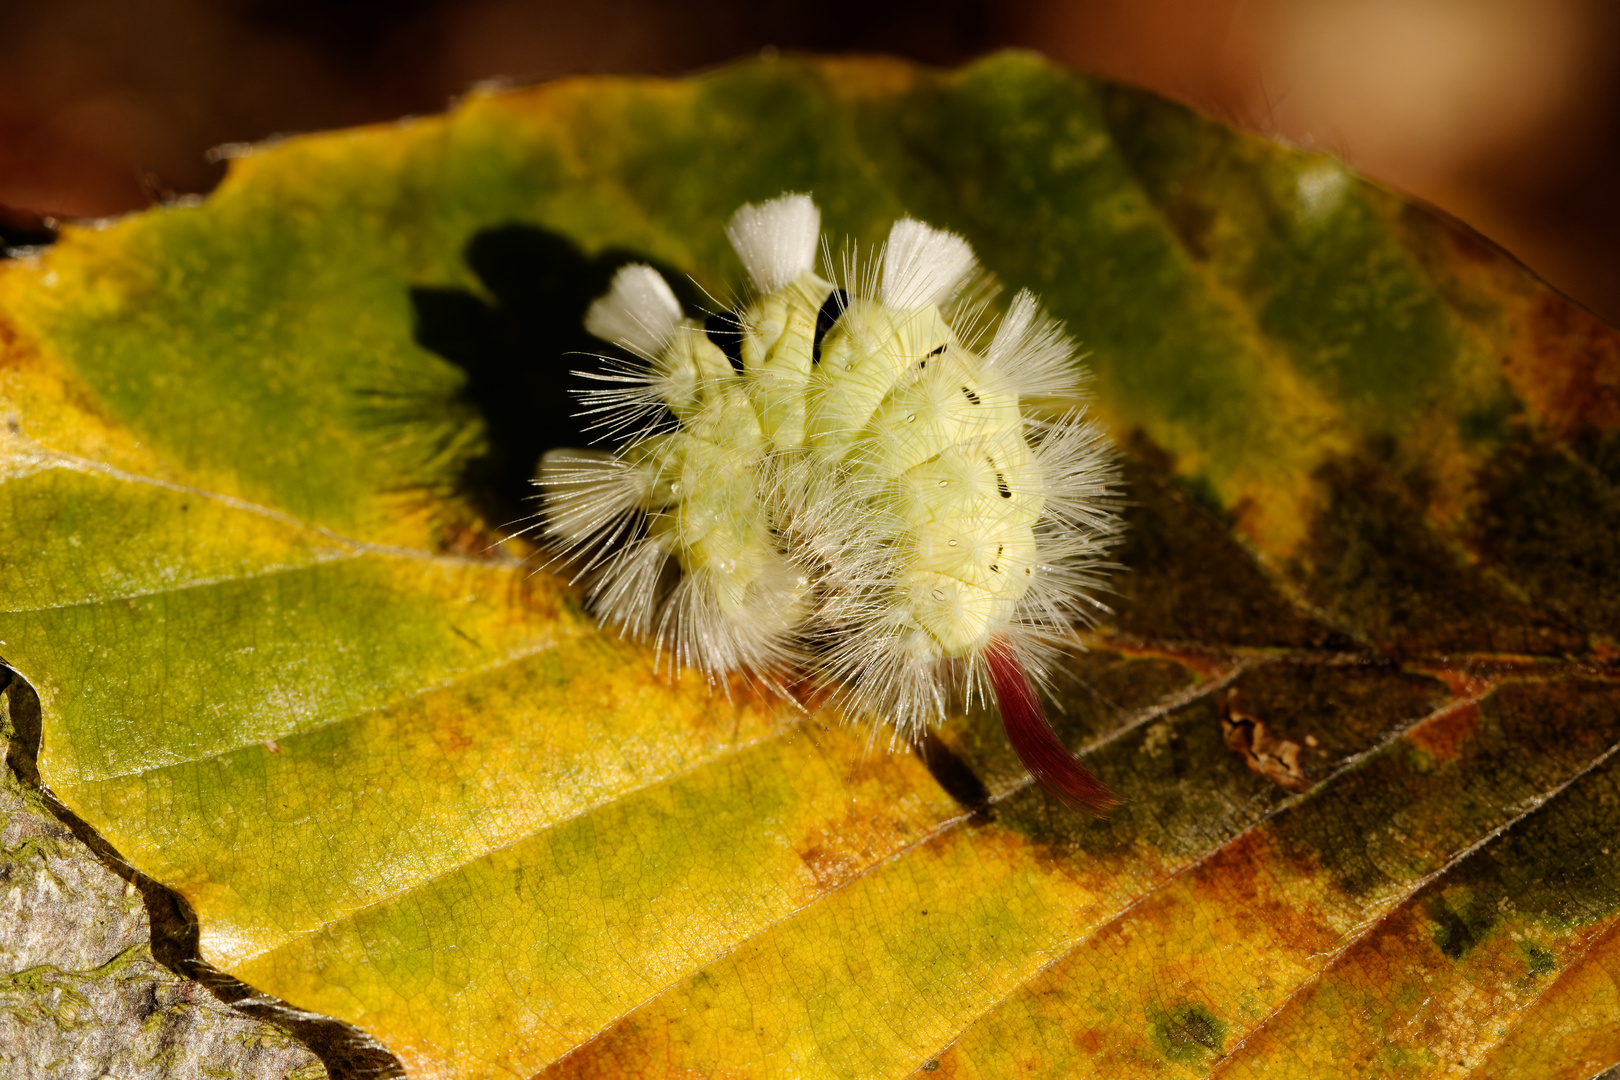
(1540, 959)
(1188, 1034)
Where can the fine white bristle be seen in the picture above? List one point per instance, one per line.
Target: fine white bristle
(639, 311)
(586, 492)
(1032, 352)
(923, 265)
(1077, 459)
(776, 240)
(626, 591)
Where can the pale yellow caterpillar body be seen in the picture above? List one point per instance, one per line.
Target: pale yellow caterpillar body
(830, 484)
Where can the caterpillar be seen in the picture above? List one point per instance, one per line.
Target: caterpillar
(832, 483)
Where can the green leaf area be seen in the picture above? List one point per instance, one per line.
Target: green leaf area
(1360, 690)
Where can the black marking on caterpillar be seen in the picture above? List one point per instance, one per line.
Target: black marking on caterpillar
(831, 309)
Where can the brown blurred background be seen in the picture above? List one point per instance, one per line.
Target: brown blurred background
(1505, 112)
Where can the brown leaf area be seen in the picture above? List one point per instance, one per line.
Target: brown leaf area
(1573, 376)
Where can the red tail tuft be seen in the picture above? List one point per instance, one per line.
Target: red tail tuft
(1032, 737)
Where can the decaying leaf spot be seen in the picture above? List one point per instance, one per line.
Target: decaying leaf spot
(1445, 734)
(1275, 758)
(1188, 1034)
(1570, 374)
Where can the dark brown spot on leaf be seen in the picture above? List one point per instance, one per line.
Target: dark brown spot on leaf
(1273, 757)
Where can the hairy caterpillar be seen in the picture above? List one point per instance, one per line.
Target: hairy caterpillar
(829, 482)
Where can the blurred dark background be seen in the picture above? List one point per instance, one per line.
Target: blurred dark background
(1504, 112)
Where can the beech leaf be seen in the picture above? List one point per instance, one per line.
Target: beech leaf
(1359, 691)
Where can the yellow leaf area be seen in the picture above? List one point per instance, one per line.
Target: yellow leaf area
(1357, 690)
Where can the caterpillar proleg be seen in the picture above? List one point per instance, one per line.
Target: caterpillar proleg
(830, 483)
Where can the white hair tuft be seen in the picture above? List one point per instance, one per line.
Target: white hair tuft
(776, 240)
(1015, 326)
(587, 492)
(639, 311)
(1033, 353)
(923, 265)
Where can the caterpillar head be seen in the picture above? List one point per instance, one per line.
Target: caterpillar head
(830, 482)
